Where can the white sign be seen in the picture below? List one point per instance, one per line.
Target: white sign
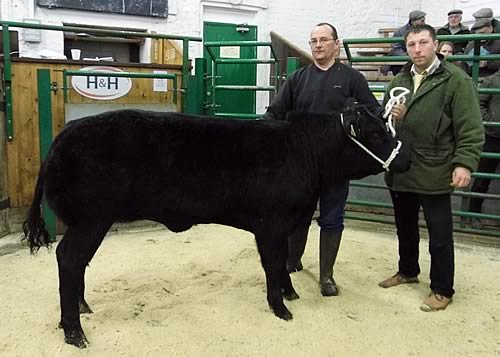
(230, 52)
(101, 88)
(160, 84)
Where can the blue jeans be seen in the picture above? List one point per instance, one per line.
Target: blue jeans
(332, 206)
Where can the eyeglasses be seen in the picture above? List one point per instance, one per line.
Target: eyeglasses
(314, 41)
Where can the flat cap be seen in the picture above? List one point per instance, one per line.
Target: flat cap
(416, 14)
(455, 11)
(484, 13)
(480, 23)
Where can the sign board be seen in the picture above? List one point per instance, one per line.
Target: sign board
(154, 8)
(101, 88)
(230, 52)
(160, 84)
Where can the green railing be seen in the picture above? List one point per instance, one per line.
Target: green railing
(475, 58)
(380, 88)
(44, 88)
(210, 45)
(6, 25)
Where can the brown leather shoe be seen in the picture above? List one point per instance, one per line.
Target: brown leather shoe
(397, 279)
(435, 302)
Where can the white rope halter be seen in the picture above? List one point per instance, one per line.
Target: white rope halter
(395, 99)
(385, 164)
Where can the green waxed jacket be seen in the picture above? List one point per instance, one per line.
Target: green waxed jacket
(442, 128)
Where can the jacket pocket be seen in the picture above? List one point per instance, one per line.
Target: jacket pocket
(434, 156)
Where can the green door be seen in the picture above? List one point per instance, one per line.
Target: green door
(231, 101)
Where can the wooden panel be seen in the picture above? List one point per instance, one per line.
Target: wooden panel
(3, 161)
(165, 52)
(172, 53)
(23, 153)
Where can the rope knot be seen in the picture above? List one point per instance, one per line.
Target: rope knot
(394, 99)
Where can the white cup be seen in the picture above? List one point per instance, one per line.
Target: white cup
(75, 54)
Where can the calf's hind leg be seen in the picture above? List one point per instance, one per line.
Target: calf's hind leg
(84, 308)
(76, 249)
(287, 289)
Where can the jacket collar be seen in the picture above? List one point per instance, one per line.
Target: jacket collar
(429, 70)
(461, 27)
(440, 75)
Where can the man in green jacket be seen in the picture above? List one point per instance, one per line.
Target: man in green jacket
(442, 126)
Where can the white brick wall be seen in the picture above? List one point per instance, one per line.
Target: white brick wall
(292, 19)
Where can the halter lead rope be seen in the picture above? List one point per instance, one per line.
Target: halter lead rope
(385, 164)
(395, 99)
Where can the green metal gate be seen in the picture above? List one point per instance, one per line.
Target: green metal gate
(228, 74)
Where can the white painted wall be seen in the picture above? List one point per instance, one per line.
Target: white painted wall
(292, 19)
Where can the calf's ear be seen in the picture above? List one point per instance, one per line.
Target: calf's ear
(350, 122)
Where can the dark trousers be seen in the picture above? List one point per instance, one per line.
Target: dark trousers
(491, 144)
(332, 207)
(437, 214)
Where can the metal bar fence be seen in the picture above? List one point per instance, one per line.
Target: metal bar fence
(210, 45)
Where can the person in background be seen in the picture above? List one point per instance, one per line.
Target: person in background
(415, 17)
(490, 111)
(322, 87)
(486, 68)
(455, 27)
(443, 127)
(487, 13)
(446, 49)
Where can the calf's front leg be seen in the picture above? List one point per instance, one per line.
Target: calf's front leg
(273, 254)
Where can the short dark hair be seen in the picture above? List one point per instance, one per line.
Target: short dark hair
(334, 30)
(421, 28)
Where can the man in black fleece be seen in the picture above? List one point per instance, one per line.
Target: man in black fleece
(322, 87)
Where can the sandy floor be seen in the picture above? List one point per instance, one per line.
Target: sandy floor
(202, 293)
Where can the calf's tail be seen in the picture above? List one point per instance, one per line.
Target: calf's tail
(34, 226)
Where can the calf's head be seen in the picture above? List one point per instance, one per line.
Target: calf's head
(370, 149)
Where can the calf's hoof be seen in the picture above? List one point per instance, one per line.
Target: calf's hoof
(283, 313)
(329, 288)
(291, 296)
(74, 336)
(85, 308)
